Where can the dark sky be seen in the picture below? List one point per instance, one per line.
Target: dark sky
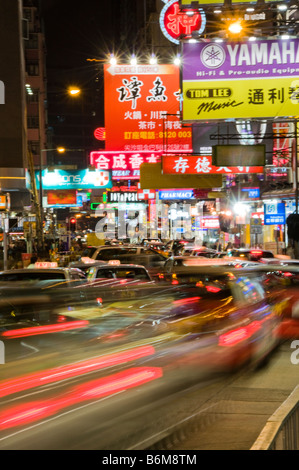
(76, 32)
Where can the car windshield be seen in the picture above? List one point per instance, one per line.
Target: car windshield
(89, 251)
(122, 273)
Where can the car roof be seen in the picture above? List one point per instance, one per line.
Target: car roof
(37, 270)
(118, 266)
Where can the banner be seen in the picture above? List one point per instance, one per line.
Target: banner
(238, 80)
(142, 109)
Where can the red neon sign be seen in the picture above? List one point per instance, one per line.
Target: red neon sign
(124, 165)
(201, 164)
(174, 23)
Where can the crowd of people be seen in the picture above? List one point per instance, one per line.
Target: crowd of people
(19, 257)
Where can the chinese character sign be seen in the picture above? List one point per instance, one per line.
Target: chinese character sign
(123, 165)
(142, 109)
(200, 165)
(175, 23)
(240, 80)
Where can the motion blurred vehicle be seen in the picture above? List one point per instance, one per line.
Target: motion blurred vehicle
(111, 385)
(116, 273)
(140, 255)
(175, 247)
(45, 273)
(250, 254)
(201, 251)
(281, 282)
(176, 263)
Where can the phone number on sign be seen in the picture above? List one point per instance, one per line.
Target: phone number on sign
(155, 135)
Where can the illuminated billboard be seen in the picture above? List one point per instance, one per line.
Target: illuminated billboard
(64, 197)
(142, 109)
(201, 165)
(74, 179)
(240, 80)
(123, 165)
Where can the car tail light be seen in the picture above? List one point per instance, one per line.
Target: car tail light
(213, 289)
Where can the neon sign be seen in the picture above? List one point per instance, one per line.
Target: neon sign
(124, 165)
(174, 23)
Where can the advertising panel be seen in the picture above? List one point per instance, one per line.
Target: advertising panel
(201, 164)
(218, 79)
(64, 197)
(142, 109)
(74, 179)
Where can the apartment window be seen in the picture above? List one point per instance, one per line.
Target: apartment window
(34, 147)
(32, 122)
(33, 69)
(33, 98)
(32, 43)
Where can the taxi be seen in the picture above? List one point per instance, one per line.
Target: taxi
(116, 273)
(42, 271)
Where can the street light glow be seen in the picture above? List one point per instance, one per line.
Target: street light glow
(133, 60)
(74, 91)
(235, 27)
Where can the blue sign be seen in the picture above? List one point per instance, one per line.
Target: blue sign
(176, 194)
(252, 192)
(275, 213)
(74, 179)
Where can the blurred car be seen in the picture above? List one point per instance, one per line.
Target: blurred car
(176, 263)
(226, 300)
(174, 247)
(281, 282)
(280, 261)
(140, 255)
(203, 251)
(250, 254)
(139, 355)
(116, 273)
(44, 273)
